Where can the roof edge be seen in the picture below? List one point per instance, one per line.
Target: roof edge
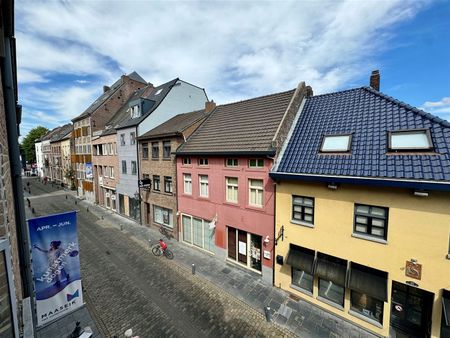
(226, 153)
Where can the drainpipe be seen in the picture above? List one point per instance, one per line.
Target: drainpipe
(138, 174)
(16, 174)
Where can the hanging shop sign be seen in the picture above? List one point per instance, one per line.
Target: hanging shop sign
(413, 270)
(56, 265)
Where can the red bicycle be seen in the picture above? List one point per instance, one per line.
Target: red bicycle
(162, 249)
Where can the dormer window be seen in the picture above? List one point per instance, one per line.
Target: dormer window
(135, 111)
(158, 92)
(336, 143)
(410, 140)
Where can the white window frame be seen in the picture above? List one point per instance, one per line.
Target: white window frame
(203, 161)
(326, 138)
(192, 232)
(187, 184)
(234, 163)
(257, 164)
(133, 138)
(205, 183)
(258, 190)
(232, 187)
(170, 216)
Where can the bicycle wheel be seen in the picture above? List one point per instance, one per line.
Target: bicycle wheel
(168, 254)
(156, 250)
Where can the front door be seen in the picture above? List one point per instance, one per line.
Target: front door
(411, 310)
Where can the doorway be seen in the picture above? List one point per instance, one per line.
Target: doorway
(411, 311)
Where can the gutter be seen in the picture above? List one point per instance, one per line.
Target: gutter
(370, 181)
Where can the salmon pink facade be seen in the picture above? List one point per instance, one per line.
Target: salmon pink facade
(226, 207)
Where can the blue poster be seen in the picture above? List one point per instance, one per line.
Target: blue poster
(56, 265)
(88, 168)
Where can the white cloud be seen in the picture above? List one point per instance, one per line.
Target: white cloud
(440, 108)
(233, 49)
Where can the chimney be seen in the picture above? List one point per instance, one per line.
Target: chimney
(309, 91)
(375, 80)
(105, 89)
(209, 106)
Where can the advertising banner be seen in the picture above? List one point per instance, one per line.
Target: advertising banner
(56, 265)
(89, 174)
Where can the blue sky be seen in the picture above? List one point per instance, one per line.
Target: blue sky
(68, 50)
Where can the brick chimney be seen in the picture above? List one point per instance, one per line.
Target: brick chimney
(209, 106)
(375, 80)
(105, 89)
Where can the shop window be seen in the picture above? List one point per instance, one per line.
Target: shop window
(198, 232)
(303, 209)
(187, 179)
(332, 273)
(301, 261)
(244, 248)
(156, 183)
(371, 221)
(162, 216)
(232, 189)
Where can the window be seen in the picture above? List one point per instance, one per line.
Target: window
(410, 140)
(133, 138)
(158, 91)
(156, 183)
(133, 168)
(336, 143)
(203, 185)
(112, 171)
(203, 161)
(370, 220)
(155, 150)
(122, 139)
(256, 163)
(197, 231)
(244, 248)
(124, 167)
(106, 171)
(145, 151)
(232, 189)
(255, 193)
(332, 272)
(231, 162)
(303, 209)
(115, 148)
(301, 261)
(135, 111)
(166, 149)
(187, 179)
(168, 184)
(186, 160)
(110, 149)
(163, 216)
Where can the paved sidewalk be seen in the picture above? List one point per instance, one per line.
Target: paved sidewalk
(301, 317)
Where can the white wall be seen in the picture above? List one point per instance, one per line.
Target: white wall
(39, 159)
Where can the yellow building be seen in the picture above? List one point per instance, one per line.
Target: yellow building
(363, 213)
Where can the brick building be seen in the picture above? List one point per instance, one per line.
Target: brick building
(157, 164)
(56, 153)
(94, 119)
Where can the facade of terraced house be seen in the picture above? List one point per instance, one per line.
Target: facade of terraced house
(362, 202)
(56, 153)
(226, 199)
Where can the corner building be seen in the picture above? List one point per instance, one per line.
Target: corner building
(362, 200)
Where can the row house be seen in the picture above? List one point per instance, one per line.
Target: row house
(66, 146)
(15, 276)
(46, 152)
(57, 171)
(157, 165)
(145, 113)
(39, 157)
(226, 200)
(94, 119)
(363, 210)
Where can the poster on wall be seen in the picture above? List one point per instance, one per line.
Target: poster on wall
(242, 248)
(88, 167)
(56, 265)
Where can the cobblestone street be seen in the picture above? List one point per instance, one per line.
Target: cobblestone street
(125, 286)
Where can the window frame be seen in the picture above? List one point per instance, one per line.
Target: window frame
(349, 143)
(302, 212)
(234, 186)
(156, 183)
(200, 182)
(369, 225)
(256, 166)
(155, 154)
(124, 166)
(232, 165)
(187, 179)
(171, 222)
(134, 168)
(410, 131)
(145, 150)
(122, 140)
(168, 183)
(166, 155)
(250, 187)
(132, 138)
(187, 161)
(205, 161)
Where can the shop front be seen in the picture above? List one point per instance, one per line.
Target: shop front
(244, 248)
(198, 232)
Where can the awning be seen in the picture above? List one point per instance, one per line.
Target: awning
(446, 306)
(300, 258)
(331, 268)
(368, 281)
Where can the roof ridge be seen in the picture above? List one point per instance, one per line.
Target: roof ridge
(416, 110)
(338, 92)
(255, 98)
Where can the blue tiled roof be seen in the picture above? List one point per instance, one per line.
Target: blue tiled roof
(368, 115)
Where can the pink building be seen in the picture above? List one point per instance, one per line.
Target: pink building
(225, 196)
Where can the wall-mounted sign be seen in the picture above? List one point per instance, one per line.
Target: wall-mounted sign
(399, 308)
(145, 183)
(413, 270)
(266, 254)
(242, 248)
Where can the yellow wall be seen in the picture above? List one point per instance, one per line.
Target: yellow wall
(418, 227)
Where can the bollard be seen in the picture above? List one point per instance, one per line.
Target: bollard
(75, 201)
(66, 196)
(87, 209)
(29, 191)
(268, 314)
(32, 210)
(193, 268)
(121, 227)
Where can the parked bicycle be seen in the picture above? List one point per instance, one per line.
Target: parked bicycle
(162, 249)
(166, 233)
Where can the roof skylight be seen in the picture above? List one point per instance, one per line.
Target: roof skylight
(336, 143)
(159, 91)
(410, 140)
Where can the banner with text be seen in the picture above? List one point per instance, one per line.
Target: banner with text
(56, 265)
